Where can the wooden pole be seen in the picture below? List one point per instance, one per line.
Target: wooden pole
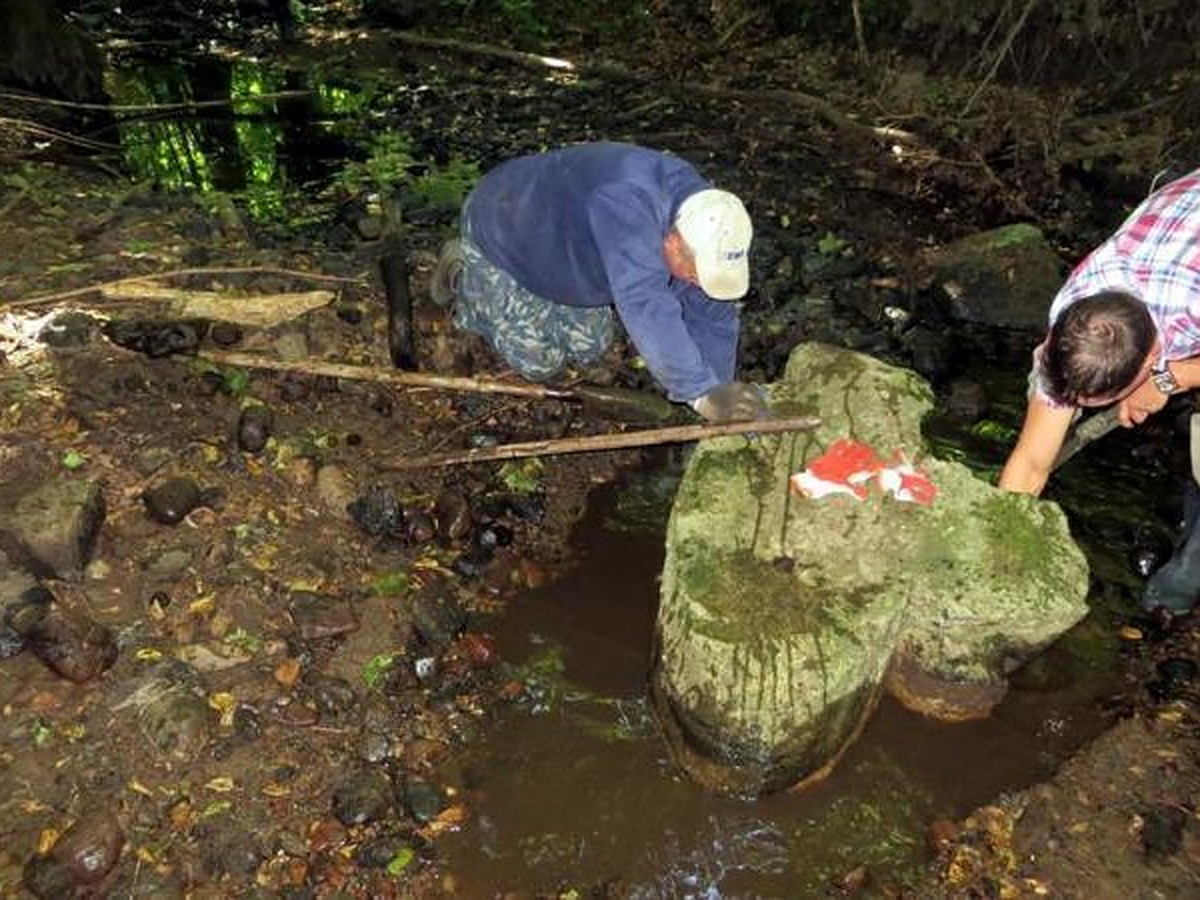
(370, 373)
(596, 442)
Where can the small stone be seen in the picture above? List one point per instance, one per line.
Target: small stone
(453, 515)
(254, 428)
(422, 800)
(332, 695)
(247, 724)
(319, 616)
(378, 512)
(420, 528)
(168, 502)
(364, 797)
(437, 614)
(351, 315)
(225, 334)
(91, 847)
(334, 491)
(48, 878)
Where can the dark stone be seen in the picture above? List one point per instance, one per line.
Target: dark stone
(226, 334)
(351, 315)
(422, 800)
(48, 878)
(382, 404)
(472, 563)
(319, 616)
(293, 389)
(20, 616)
(254, 428)
(453, 515)
(51, 530)
(168, 502)
(1162, 830)
(378, 512)
(364, 797)
(420, 528)
(157, 339)
(247, 724)
(332, 695)
(966, 400)
(437, 615)
(530, 507)
(72, 645)
(91, 847)
(378, 852)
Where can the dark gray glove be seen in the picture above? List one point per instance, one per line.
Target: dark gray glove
(733, 402)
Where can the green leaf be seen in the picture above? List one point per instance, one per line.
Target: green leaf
(400, 861)
(376, 669)
(390, 584)
(830, 244)
(521, 476)
(73, 459)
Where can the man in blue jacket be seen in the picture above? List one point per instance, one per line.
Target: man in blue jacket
(551, 244)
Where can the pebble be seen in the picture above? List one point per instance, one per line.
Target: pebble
(319, 616)
(225, 334)
(332, 695)
(364, 797)
(254, 428)
(422, 800)
(378, 512)
(437, 614)
(453, 515)
(167, 503)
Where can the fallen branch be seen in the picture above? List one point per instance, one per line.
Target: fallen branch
(174, 273)
(390, 376)
(1090, 429)
(38, 100)
(597, 442)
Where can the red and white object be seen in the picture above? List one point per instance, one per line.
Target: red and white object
(848, 467)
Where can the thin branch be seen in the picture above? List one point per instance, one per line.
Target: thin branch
(860, 38)
(598, 442)
(42, 299)
(1000, 54)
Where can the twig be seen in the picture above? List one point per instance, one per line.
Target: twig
(1090, 429)
(1000, 54)
(175, 273)
(597, 442)
(391, 376)
(860, 38)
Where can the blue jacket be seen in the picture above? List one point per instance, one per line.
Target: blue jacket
(584, 226)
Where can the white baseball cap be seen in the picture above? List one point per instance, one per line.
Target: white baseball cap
(716, 228)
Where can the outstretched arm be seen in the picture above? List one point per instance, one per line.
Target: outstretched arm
(1032, 459)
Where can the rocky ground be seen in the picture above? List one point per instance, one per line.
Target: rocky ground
(245, 644)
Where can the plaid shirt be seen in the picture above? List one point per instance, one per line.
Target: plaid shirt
(1154, 255)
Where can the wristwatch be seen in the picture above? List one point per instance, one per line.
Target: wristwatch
(1164, 380)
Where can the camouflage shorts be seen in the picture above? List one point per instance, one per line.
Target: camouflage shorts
(537, 337)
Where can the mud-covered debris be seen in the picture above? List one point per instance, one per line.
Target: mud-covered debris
(157, 338)
(379, 513)
(254, 428)
(318, 616)
(170, 501)
(363, 797)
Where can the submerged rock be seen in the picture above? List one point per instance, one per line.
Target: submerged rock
(171, 709)
(766, 671)
(364, 797)
(321, 616)
(254, 428)
(378, 512)
(69, 643)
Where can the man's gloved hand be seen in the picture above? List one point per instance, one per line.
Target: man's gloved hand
(732, 402)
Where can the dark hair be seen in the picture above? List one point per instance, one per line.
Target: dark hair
(1096, 347)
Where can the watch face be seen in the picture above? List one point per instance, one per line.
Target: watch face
(1165, 381)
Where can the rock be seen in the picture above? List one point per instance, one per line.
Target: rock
(51, 529)
(335, 493)
(226, 334)
(254, 428)
(170, 501)
(157, 338)
(91, 847)
(966, 400)
(48, 878)
(420, 528)
(23, 602)
(364, 797)
(378, 512)
(319, 616)
(1007, 276)
(68, 329)
(70, 644)
(437, 615)
(766, 671)
(332, 695)
(171, 709)
(422, 800)
(452, 514)
(1162, 830)
(292, 345)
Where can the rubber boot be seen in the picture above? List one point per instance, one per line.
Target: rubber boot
(1176, 586)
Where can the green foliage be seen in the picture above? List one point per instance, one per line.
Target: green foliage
(447, 186)
(73, 459)
(390, 166)
(390, 584)
(377, 668)
(522, 476)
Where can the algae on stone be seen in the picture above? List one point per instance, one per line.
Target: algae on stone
(781, 618)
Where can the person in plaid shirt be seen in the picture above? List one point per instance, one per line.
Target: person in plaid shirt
(1125, 330)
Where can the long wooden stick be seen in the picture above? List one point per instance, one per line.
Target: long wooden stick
(1090, 429)
(176, 273)
(391, 376)
(592, 443)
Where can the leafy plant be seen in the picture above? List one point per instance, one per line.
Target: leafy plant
(522, 476)
(376, 669)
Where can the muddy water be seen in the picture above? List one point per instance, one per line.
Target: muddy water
(576, 790)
